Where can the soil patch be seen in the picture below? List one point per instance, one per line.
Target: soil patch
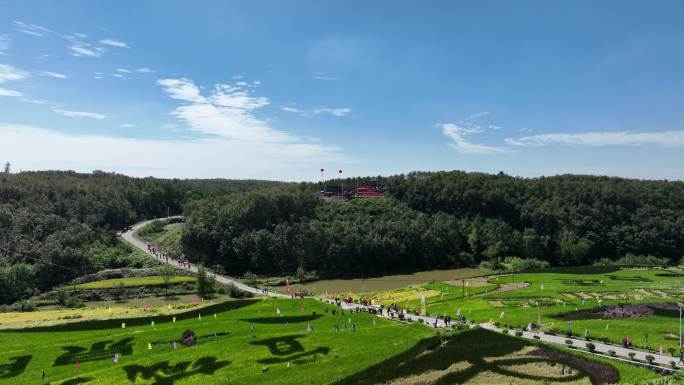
(599, 373)
(510, 286)
(496, 303)
(620, 311)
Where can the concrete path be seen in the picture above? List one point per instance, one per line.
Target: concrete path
(129, 237)
(601, 347)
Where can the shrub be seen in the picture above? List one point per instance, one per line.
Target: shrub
(673, 365)
(62, 297)
(650, 358)
(118, 291)
(250, 278)
(612, 353)
(631, 355)
(523, 264)
(205, 284)
(188, 338)
(518, 333)
(591, 347)
(504, 331)
(153, 227)
(568, 342)
(536, 337)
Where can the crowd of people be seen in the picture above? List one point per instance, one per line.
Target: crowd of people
(163, 257)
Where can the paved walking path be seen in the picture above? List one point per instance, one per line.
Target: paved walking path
(601, 348)
(129, 237)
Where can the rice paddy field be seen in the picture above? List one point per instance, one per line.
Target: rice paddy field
(269, 341)
(605, 303)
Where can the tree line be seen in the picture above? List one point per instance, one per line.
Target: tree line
(57, 225)
(436, 220)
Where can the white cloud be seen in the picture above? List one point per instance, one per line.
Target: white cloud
(494, 127)
(228, 115)
(310, 113)
(182, 89)
(460, 142)
(118, 76)
(332, 111)
(114, 43)
(8, 92)
(32, 29)
(85, 49)
(620, 138)
(128, 125)
(81, 35)
(323, 76)
(144, 70)
(187, 158)
(53, 74)
(123, 70)
(80, 114)
(34, 101)
(9, 73)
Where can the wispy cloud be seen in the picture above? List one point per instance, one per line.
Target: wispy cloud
(323, 76)
(32, 29)
(186, 158)
(80, 114)
(460, 132)
(317, 111)
(85, 49)
(595, 139)
(128, 125)
(9, 73)
(227, 114)
(461, 143)
(144, 70)
(78, 46)
(123, 70)
(114, 43)
(8, 92)
(53, 74)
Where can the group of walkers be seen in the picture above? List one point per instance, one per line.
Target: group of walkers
(391, 311)
(161, 256)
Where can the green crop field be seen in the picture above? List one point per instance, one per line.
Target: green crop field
(154, 280)
(239, 342)
(247, 342)
(570, 294)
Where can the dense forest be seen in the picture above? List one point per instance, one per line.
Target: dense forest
(55, 225)
(439, 219)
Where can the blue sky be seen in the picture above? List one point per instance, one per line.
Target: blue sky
(280, 89)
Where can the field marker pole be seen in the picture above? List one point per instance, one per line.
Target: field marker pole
(680, 326)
